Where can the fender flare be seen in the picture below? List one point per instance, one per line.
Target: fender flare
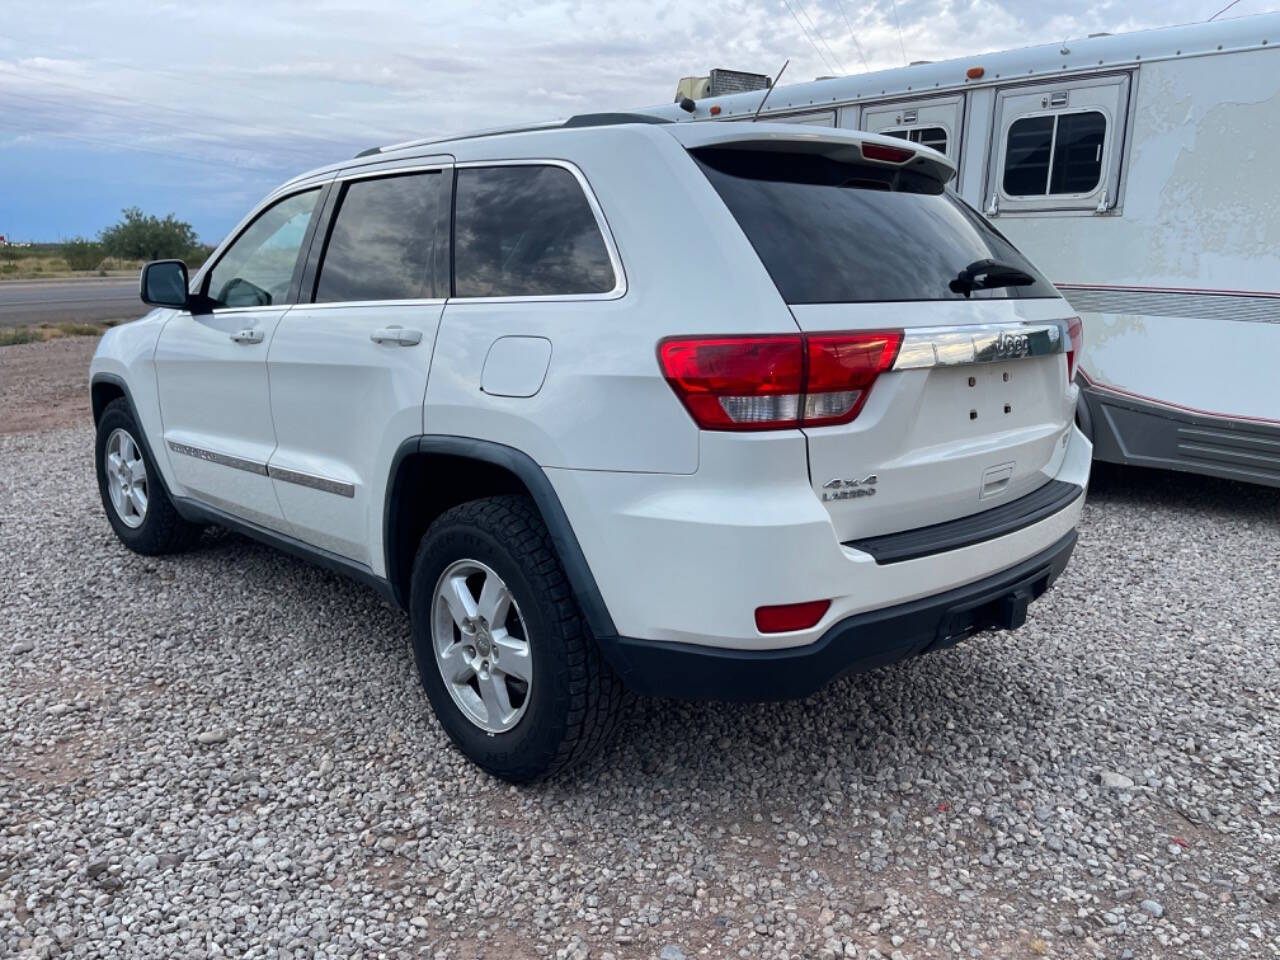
(534, 478)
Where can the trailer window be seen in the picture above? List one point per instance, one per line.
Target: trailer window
(1057, 154)
(934, 137)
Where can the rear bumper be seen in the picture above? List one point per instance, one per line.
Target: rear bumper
(855, 644)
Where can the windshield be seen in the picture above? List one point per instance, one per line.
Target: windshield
(830, 231)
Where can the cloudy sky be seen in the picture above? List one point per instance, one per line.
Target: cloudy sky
(199, 107)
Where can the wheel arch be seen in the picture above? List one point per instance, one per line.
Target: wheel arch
(104, 388)
(431, 473)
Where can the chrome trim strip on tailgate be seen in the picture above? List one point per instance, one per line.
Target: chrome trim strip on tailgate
(924, 347)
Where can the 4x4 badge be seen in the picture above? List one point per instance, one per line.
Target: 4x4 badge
(842, 489)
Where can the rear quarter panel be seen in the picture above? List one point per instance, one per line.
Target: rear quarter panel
(604, 404)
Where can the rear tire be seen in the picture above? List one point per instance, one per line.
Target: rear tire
(556, 699)
(133, 495)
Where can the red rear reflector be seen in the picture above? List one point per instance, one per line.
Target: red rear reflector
(885, 153)
(1075, 333)
(772, 383)
(790, 616)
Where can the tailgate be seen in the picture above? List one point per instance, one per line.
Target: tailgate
(975, 412)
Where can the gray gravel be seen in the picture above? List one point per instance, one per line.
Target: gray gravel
(227, 753)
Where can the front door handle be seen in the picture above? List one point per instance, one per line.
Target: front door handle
(247, 336)
(401, 335)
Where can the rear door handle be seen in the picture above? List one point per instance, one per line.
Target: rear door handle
(401, 335)
(247, 336)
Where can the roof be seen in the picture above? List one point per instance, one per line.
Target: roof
(805, 138)
(1100, 51)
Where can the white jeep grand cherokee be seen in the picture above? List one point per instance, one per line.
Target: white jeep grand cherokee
(703, 410)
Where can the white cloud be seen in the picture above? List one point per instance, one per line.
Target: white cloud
(280, 86)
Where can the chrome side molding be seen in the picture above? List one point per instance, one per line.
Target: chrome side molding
(924, 347)
(339, 487)
(222, 459)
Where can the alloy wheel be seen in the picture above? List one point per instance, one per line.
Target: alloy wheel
(481, 646)
(126, 478)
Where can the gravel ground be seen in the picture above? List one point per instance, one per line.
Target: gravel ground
(227, 753)
(45, 385)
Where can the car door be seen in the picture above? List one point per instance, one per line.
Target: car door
(211, 366)
(348, 365)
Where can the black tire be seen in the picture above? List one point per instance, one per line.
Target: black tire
(573, 700)
(161, 530)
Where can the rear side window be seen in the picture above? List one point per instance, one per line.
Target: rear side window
(830, 231)
(526, 231)
(389, 240)
(1054, 154)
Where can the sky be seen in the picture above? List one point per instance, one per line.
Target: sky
(198, 108)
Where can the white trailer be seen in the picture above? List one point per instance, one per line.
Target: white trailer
(1137, 171)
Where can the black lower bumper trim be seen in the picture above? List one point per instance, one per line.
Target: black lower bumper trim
(858, 643)
(999, 521)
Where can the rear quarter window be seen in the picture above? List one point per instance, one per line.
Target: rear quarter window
(831, 231)
(527, 231)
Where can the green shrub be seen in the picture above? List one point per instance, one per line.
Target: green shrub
(82, 254)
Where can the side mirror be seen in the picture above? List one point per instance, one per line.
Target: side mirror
(164, 284)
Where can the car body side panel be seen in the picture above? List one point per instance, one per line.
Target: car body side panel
(604, 404)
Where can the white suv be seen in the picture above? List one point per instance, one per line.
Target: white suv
(702, 410)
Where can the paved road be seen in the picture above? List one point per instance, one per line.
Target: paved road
(63, 301)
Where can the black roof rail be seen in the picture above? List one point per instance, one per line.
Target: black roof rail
(608, 119)
(579, 120)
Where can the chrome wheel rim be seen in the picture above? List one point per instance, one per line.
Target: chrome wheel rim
(126, 478)
(481, 646)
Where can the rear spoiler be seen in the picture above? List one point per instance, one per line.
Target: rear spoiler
(853, 146)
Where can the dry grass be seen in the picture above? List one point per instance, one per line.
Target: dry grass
(11, 336)
(53, 266)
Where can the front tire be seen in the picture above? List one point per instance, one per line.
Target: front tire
(133, 495)
(512, 672)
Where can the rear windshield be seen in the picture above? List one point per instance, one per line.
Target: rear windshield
(835, 232)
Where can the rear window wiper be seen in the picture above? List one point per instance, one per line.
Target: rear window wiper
(987, 274)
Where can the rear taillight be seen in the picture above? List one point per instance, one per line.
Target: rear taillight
(1075, 334)
(771, 383)
(842, 368)
(885, 153)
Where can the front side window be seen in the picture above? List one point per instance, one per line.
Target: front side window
(257, 269)
(832, 231)
(934, 137)
(389, 241)
(526, 231)
(1056, 154)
